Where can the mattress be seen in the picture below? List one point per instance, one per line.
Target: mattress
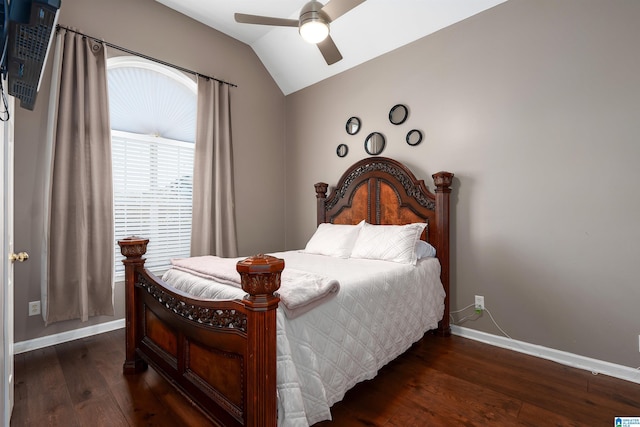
(382, 308)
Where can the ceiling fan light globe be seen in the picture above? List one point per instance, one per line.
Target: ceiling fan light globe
(314, 31)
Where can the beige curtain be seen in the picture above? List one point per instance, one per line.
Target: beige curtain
(80, 240)
(213, 230)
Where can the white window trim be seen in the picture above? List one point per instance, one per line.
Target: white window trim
(151, 138)
(136, 62)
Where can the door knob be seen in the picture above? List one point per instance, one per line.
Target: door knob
(20, 257)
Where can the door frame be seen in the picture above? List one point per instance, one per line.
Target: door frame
(6, 266)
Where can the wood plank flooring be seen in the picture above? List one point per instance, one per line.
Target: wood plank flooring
(438, 382)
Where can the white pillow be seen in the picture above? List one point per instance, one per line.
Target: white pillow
(424, 250)
(395, 243)
(335, 240)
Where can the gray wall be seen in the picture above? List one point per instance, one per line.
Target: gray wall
(258, 134)
(535, 106)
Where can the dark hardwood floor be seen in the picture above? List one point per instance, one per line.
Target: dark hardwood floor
(438, 382)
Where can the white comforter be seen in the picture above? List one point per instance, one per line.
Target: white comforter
(382, 308)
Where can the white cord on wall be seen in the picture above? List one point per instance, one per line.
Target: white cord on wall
(476, 315)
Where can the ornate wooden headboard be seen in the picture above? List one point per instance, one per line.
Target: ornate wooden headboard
(384, 191)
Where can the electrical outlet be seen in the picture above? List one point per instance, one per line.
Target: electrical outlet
(479, 303)
(34, 308)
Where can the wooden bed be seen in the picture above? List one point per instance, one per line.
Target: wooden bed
(222, 354)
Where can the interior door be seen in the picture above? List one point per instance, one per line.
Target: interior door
(6, 265)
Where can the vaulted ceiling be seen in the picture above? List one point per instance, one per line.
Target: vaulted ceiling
(365, 32)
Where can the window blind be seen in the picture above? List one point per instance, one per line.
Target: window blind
(152, 196)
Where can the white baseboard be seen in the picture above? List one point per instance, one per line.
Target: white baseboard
(36, 343)
(576, 361)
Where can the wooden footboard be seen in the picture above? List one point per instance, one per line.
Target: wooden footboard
(220, 354)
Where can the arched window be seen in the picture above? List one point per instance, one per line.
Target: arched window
(153, 124)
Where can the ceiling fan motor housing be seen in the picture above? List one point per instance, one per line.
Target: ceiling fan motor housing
(312, 11)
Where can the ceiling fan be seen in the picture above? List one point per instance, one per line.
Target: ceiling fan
(313, 24)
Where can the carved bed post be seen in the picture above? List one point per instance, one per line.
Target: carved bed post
(260, 278)
(321, 195)
(133, 248)
(443, 191)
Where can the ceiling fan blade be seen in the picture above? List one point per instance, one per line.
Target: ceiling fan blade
(336, 8)
(329, 50)
(243, 18)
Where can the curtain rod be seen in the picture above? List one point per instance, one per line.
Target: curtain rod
(131, 52)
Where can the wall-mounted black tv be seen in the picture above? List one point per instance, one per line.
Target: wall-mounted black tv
(31, 27)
